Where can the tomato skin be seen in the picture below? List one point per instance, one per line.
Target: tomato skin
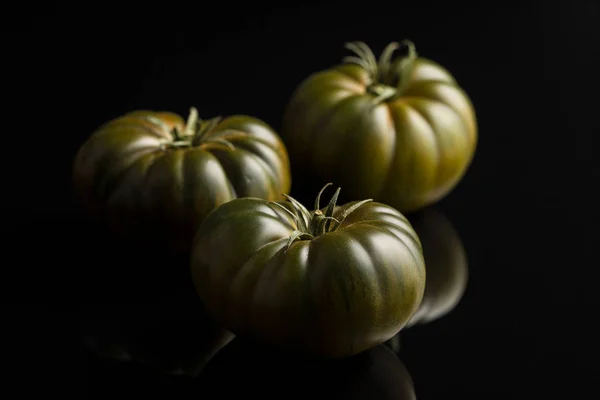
(335, 295)
(131, 173)
(408, 151)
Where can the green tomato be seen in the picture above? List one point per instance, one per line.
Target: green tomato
(332, 282)
(400, 130)
(149, 174)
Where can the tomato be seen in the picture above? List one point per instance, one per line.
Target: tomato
(447, 267)
(399, 130)
(151, 174)
(332, 282)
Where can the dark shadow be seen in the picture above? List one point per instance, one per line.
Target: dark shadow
(114, 269)
(446, 265)
(243, 368)
(174, 336)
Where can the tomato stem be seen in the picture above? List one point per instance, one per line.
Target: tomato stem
(364, 57)
(385, 61)
(389, 77)
(196, 133)
(401, 69)
(192, 122)
(382, 92)
(203, 129)
(318, 199)
(309, 225)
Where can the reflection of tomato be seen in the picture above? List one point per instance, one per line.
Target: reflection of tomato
(174, 339)
(394, 343)
(446, 265)
(107, 341)
(335, 281)
(398, 130)
(152, 172)
(243, 370)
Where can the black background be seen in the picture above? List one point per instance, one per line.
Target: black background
(526, 211)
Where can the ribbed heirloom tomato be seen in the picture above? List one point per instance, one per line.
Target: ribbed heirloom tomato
(152, 174)
(332, 282)
(399, 130)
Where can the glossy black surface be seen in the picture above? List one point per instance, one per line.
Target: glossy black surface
(85, 317)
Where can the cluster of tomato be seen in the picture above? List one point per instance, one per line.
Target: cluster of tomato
(397, 133)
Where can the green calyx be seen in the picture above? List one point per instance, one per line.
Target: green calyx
(312, 224)
(198, 132)
(389, 76)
